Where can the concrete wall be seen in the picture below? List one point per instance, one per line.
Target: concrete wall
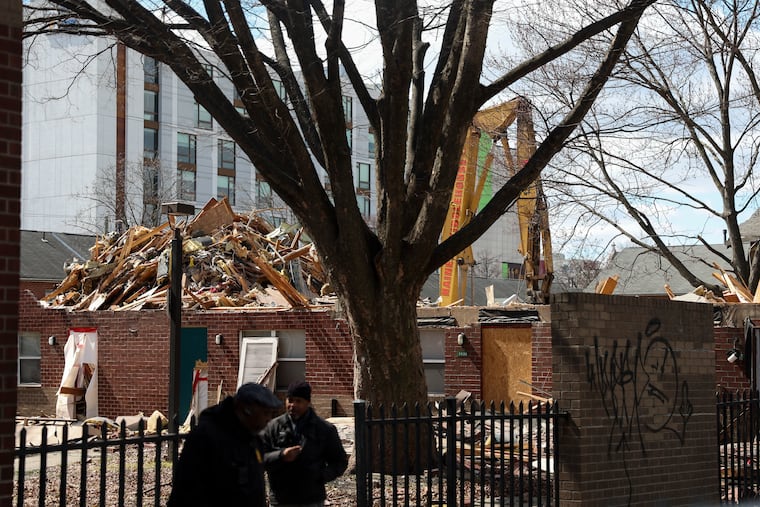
(637, 377)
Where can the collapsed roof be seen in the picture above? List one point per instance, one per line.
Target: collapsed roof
(229, 261)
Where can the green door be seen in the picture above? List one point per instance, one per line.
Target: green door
(193, 348)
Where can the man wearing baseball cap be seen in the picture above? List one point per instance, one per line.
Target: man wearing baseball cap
(222, 460)
(303, 452)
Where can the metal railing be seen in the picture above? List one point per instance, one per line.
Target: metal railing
(100, 466)
(738, 422)
(456, 455)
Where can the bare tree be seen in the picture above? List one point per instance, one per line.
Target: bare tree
(419, 122)
(675, 130)
(147, 185)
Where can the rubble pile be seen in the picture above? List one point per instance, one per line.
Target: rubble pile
(229, 261)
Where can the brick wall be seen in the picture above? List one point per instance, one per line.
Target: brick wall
(133, 354)
(542, 358)
(729, 377)
(462, 372)
(10, 190)
(637, 378)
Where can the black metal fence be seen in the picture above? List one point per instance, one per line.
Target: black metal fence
(104, 465)
(456, 454)
(738, 453)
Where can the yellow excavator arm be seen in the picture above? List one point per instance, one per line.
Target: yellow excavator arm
(531, 206)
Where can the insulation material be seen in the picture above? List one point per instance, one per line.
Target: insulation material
(78, 392)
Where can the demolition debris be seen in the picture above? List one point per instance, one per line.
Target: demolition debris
(229, 261)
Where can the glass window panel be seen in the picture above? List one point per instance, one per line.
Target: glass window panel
(280, 88)
(225, 187)
(289, 371)
(350, 138)
(348, 108)
(432, 343)
(434, 378)
(186, 185)
(150, 69)
(185, 148)
(29, 371)
(364, 170)
(292, 344)
(150, 101)
(226, 154)
(202, 117)
(29, 345)
(371, 144)
(150, 143)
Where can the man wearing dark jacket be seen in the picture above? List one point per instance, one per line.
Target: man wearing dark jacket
(222, 460)
(303, 452)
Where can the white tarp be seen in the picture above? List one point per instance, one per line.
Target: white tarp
(80, 374)
(200, 391)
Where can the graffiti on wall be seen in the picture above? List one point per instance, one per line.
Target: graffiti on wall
(640, 389)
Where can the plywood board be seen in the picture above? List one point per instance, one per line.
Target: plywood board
(507, 359)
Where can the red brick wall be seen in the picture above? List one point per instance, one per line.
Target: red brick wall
(637, 379)
(729, 377)
(463, 372)
(542, 358)
(133, 354)
(10, 190)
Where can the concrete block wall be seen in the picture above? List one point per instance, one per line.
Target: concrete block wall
(10, 213)
(637, 377)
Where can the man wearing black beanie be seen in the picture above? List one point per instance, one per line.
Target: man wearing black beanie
(302, 452)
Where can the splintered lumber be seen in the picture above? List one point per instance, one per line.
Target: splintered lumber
(669, 291)
(607, 286)
(229, 261)
(734, 285)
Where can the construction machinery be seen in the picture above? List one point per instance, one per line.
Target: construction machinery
(488, 126)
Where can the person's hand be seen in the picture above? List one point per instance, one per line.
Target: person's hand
(289, 454)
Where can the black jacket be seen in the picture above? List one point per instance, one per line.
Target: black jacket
(322, 459)
(221, 463)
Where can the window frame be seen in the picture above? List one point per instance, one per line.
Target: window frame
(363, 183)
(203, 123)
(25, 357)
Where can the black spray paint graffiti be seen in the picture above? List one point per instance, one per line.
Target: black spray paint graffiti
(640, 390)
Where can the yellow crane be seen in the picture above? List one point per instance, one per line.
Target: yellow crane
(492, 124)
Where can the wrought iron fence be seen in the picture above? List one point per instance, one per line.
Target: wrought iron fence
(94, 464)
(456, 454)
(738, 422)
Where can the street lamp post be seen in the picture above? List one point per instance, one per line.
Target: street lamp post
(172, 210)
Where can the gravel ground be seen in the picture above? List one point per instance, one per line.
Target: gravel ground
(124, 492)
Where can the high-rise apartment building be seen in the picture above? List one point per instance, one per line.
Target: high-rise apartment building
(109, 134)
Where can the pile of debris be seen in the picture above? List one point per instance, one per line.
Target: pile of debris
(229, 261)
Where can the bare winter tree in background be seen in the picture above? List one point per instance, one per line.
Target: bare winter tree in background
(419, 121)
(675, 130)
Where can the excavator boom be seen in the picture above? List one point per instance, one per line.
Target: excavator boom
(488, 125)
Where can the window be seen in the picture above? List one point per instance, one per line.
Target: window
(29, 357)
(150, 99)
(349, 138)
(225, 187)
(151, 184)
(186, 180)
(185, 148)
(291, 357)
(364, 205)
(202, 117)
(348, 109)
(209, 69)
(280, 89)
(150, 143)
(371, 144)
(150, 69)
(263, 194)
(364, 170)
(433, 359)
(511, 270)
(258, 358)
(226, 154)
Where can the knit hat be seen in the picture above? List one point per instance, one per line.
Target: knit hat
(252, 392)
(300, 389)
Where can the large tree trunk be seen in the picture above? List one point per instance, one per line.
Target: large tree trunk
(388, 355)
